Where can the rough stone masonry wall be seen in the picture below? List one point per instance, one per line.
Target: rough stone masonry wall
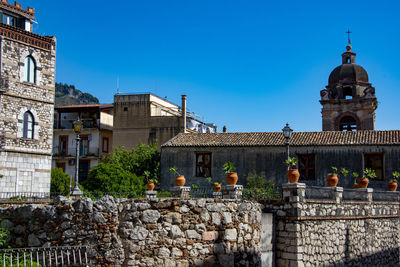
(139, 232)
(339, 232)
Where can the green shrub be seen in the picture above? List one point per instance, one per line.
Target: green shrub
(258, 187)
(105, 178)
(59, 181)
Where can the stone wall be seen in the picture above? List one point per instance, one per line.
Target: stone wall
(329, 230)
(164, 232)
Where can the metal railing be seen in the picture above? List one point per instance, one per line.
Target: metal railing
(27, 196)
(92, 151)
(51, 256)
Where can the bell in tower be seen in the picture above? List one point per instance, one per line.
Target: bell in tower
(348, 102)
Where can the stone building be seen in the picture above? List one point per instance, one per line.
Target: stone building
(348, 140)
(348, 102)
(96, 137)
(198, 156)
(144, 118)
(26, 101)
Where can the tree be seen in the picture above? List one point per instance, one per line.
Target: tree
(124, 171)
(106, 177)
(59, 181)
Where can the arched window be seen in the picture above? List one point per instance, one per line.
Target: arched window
(348, 123)
(28, 127)
(30, 70)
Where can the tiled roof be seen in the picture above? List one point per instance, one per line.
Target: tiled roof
(327, 138)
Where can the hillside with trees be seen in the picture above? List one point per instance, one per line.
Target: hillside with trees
(68, 95)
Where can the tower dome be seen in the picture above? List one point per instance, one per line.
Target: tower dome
(348, 102)
(348, 73)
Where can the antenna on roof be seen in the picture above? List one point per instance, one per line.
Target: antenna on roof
(118, 85)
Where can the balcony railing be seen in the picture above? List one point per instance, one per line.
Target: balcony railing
(68, 124)
(92, 151)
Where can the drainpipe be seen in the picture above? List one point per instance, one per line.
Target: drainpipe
(184, 112)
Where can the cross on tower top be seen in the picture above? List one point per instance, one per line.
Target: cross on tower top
(348, 36)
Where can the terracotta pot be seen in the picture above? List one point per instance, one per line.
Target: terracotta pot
(392, 186)
(180, 180)
(293, 175)
(232, 178)
(150, 186)
(356, 186)
(363, 182)
(332, 180)
(217, 187)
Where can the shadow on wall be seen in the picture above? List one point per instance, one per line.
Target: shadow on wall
(229, 260)
(388, 257)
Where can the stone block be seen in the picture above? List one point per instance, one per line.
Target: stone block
(151, 194)
(210, 236)
(180, 191)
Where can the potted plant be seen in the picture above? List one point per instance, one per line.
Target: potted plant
(231, 175)
(150, 182)
(355, 176)
(333, 178)
(368, 174)
(392, 185)
(293, 174)
(217, 186)
(179, 179)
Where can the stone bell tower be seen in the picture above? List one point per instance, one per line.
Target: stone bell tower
(348, 102)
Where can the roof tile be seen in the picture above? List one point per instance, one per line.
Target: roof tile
(325, 138)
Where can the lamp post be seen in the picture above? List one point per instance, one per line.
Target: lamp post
(287, 133)
(77, 129)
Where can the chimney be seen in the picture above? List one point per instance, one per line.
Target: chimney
(184, 112)
(224, 129)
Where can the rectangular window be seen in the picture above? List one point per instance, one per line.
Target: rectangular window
(84, 146)
(152, 137)
(203, 164)
(63, 146)
(375, 161)
(105, 144)
(84, 166)
(307, 166)
(61, 165)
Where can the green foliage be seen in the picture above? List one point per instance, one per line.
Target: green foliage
(258, 187)
(59, 181)
(334, 169)
(107, 177)
(125, 171)
(137, 161)
(396, 175)
(228, 167)
(355, 175)
(291, 162)
(344, 172)
(174, 171)
(209, 180)
(195, 186)
(369, 173)
(163, 194)
(4, 237)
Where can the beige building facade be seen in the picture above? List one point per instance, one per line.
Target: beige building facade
(26, 102)
(144, 118)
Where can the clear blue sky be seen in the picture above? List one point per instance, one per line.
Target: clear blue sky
(249, 65)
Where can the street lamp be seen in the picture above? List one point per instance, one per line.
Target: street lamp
(77, 129)
(287, 133)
